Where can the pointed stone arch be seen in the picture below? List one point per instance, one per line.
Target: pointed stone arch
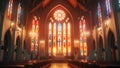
(111, 45)
(18, 48)
(100, 49)
(100, 42)
(59, 6)
(8, 47)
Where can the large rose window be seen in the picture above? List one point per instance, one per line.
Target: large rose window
(59, 15)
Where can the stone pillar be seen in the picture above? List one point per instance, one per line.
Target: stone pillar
(116, 17)
(2, 12)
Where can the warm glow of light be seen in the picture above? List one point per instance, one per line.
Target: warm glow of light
(32, 34)
(50, 26)
(81, 48)
(64, 51)
(81, 53)
(54, 29)
(49, 51)
(59, 34)
(69, 50)
(54, 51)
(76, 41)
(12, 24)
(100, 28)
(64, 28)
(83, 37)
(85, 53)
(19, 29)
(42, 41)
(32, 46)
(107, 22)
(50, 39)
(68, 26)
(59, 15)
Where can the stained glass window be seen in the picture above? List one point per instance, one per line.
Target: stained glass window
(99, 14)
(19, 13)
(108, 8)
(69, 39)
(59, 15)
(34, 35)
(9, 12)
(50, 39)
(83, 37)
(59, 39)
(64, 39)
(59, 34)
(54, 39)
(119, 3)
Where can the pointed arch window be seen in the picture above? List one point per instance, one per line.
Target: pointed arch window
(59, 34)
(108, 8)
(99, 14)
(59, 38)
(9, 10)
(83, 37)
(19, 13)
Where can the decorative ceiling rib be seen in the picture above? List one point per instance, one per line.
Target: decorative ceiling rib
(83, 4)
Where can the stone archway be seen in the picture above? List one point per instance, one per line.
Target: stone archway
(100, 49)
(18, 49)
(112, 46)
(8, 48)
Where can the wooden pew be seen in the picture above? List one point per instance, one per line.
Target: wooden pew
(25, 64)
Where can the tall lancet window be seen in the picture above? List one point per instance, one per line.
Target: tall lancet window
(9, 10)
(59, 38)
(64, 39)
(99, 14)
(50, 39)
(54, 39)
(83, 37)
(108, 8)
(69, 39)
(19, 13)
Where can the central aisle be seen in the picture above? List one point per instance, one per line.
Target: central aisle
(59, 65)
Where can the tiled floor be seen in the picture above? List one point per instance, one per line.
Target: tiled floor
(59, 65)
